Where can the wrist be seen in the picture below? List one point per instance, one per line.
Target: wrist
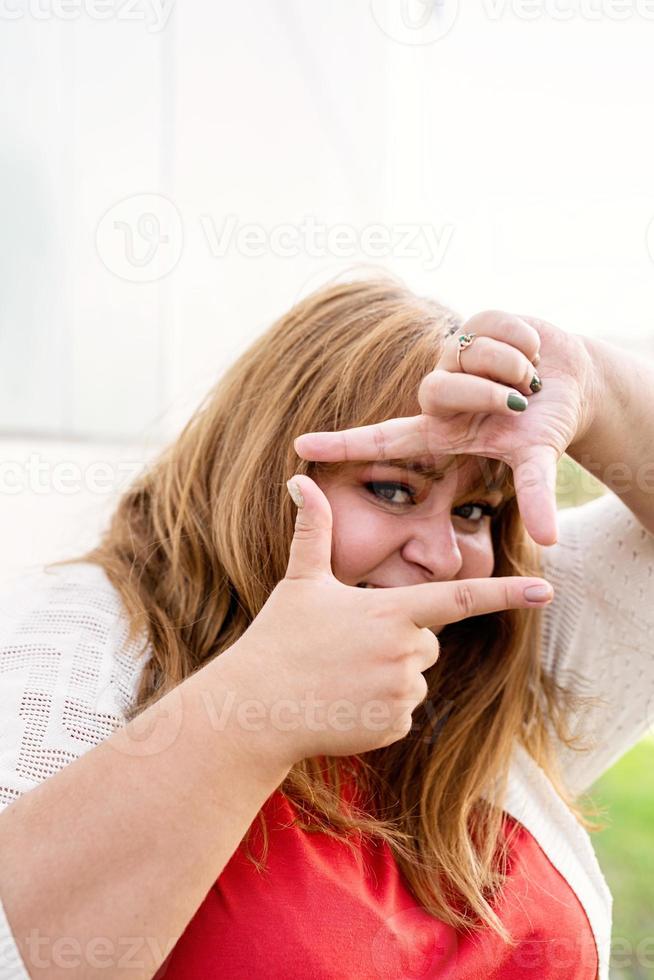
(240, 703)
(593, 401)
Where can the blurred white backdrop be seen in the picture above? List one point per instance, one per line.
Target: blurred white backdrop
(174, 176)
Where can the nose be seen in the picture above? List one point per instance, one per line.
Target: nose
(431, 542)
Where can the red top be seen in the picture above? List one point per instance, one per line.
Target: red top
(320, 911)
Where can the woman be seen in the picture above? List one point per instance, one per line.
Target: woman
(259, 765)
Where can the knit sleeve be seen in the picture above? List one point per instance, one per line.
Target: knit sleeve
(598, 632)
(67, 676)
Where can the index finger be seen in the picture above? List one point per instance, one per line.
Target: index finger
(392, 439)
(437, 603)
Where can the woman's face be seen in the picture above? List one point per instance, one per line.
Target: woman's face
(394, 526)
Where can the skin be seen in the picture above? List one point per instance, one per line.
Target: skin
(384, 536)
(594, 403)
(465, 411)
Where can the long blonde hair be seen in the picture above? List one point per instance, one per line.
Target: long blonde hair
(199, 541)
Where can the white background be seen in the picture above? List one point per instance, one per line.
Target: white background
(519, 134)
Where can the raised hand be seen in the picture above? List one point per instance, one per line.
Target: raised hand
(339, 667)
(493, 403)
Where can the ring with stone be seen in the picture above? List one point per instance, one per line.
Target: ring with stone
(463, 340)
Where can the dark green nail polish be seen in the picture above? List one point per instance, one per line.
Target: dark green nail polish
(535, 384)
(517, 402)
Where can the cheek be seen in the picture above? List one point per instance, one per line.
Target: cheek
(477, 557)
(360, 541)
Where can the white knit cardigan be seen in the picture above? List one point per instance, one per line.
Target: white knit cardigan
(68, 677)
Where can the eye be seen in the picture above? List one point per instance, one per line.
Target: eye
(387, 491)
(482, 508)
(474, 511)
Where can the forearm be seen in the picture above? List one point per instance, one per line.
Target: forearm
(618, 445)
(125, 842)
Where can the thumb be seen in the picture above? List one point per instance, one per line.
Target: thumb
(535, 482)
(311, 547)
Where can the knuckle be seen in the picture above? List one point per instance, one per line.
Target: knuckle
(380, 441)
(528, 371)
(429, 647)
(526, 337)
(506, 596)
(434, 648)
(517, 367)
(533, 333)
(381, 611)
(414, 650)
(530, 478)
(306, 532)
(405, 679)
(422, 689)
(485, 346)
(405, 723)
(464, 600)
(430, 386)
(494, 317)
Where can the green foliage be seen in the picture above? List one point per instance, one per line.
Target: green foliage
(625, 850)
(574, 484)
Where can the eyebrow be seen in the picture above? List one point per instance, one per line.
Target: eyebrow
(427, 469)
(423, 467)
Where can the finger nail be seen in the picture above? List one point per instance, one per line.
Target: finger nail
(296, 493)
(516, 402)
(535, 360)
(535, 384)
(538, 593)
